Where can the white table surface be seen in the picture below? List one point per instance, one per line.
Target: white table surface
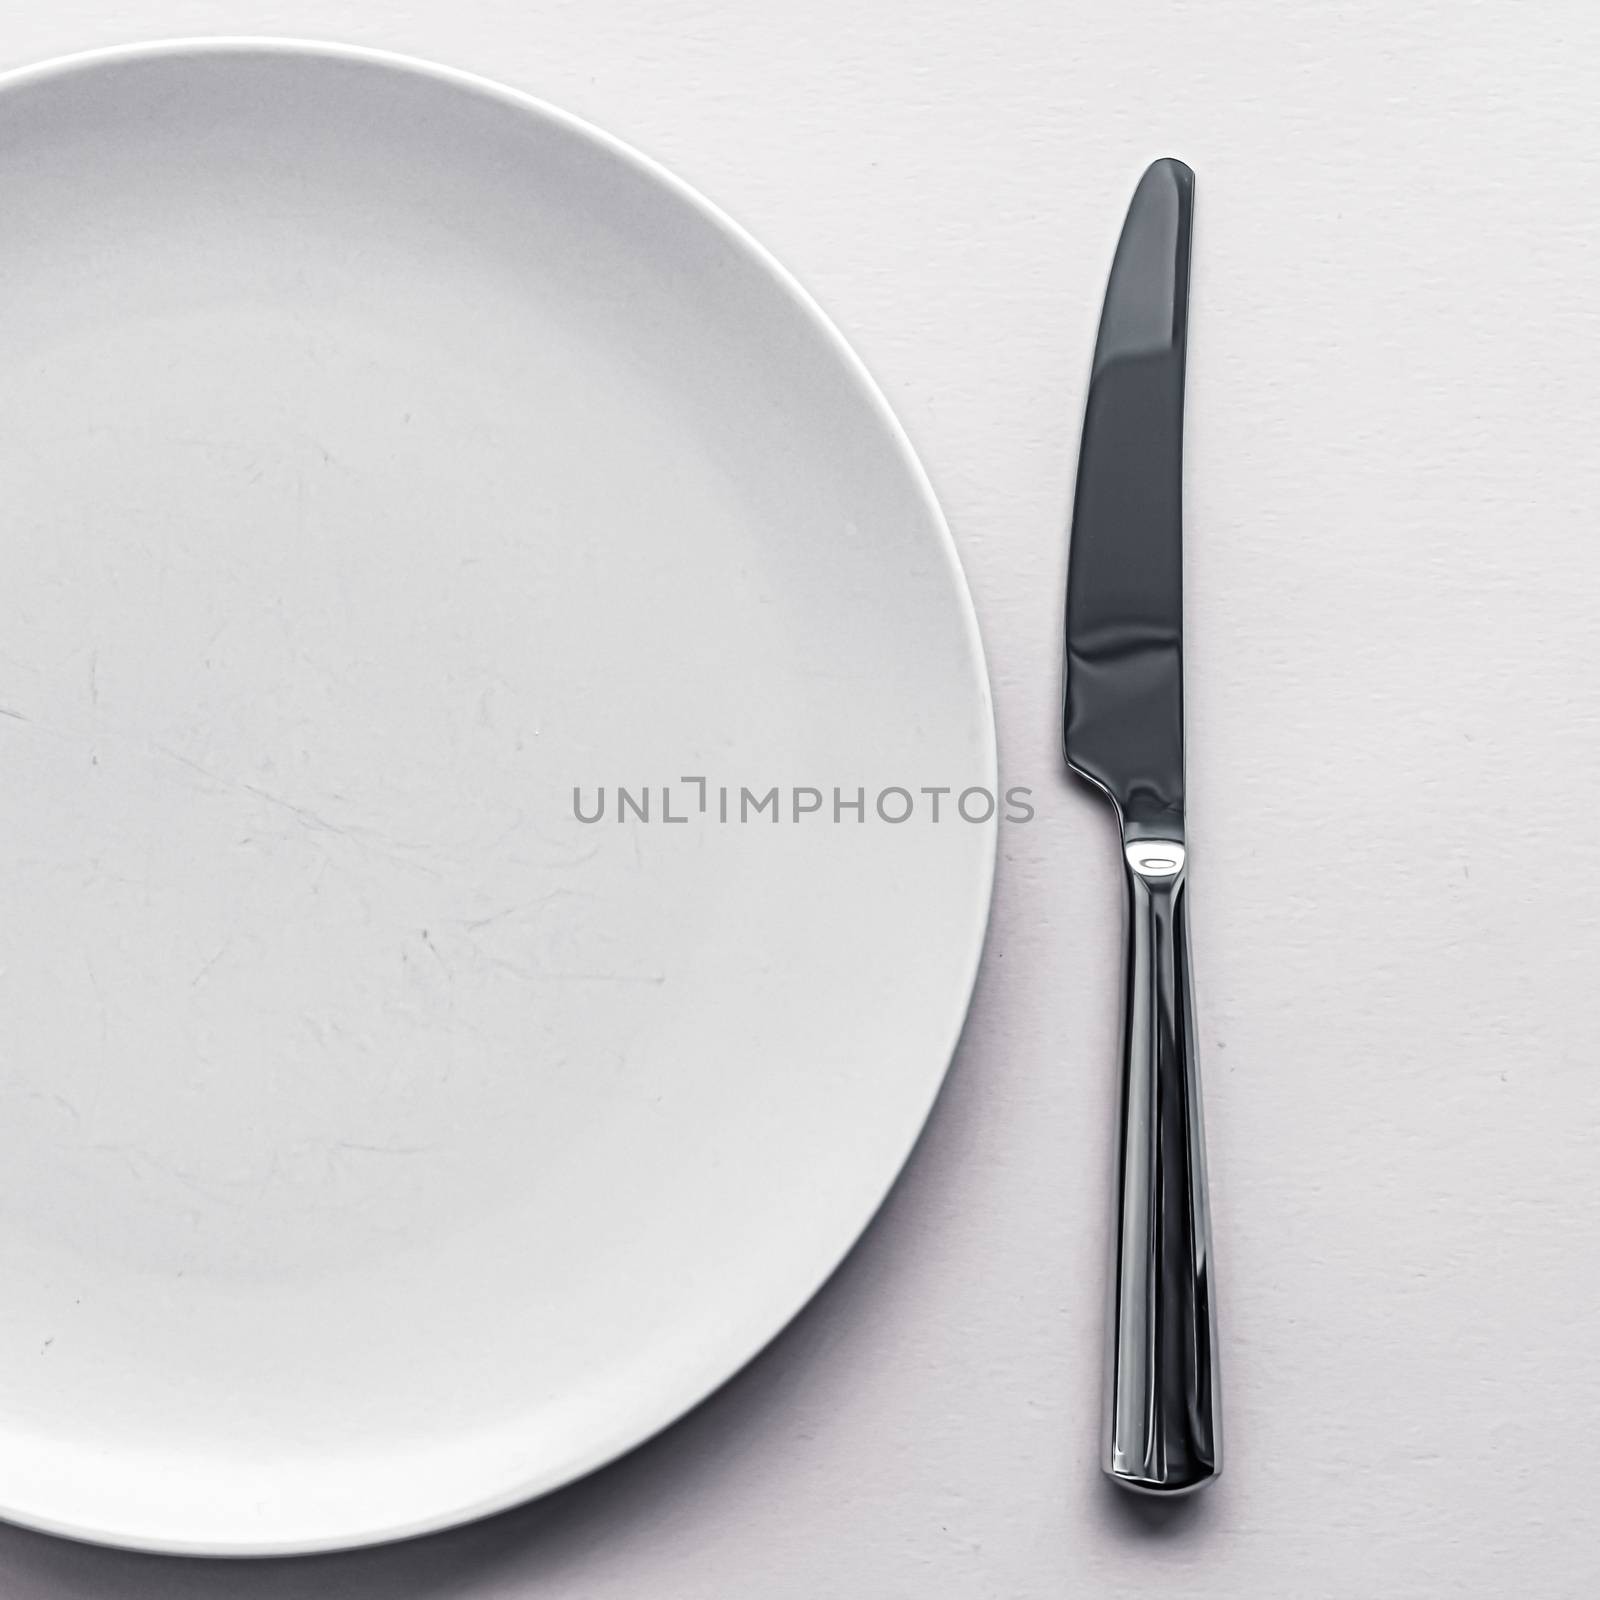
(1394, 702)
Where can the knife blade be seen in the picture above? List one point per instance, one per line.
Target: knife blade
(1123, 732)
(1124, 700)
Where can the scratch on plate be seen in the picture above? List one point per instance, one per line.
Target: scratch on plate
(444, 966)
(222, 950)
(310, 818)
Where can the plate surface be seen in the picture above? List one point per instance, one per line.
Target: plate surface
(387, 456)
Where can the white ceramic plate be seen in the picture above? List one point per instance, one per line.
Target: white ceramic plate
(385, 455)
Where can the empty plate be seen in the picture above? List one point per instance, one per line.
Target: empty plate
(396, 470)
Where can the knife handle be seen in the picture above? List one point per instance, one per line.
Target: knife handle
(1162, 1420)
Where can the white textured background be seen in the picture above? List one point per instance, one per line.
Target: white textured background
(1394, 684)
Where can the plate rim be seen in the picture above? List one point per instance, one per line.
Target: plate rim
(659, 1418)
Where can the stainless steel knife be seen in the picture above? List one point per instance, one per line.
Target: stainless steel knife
(1124, 733)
